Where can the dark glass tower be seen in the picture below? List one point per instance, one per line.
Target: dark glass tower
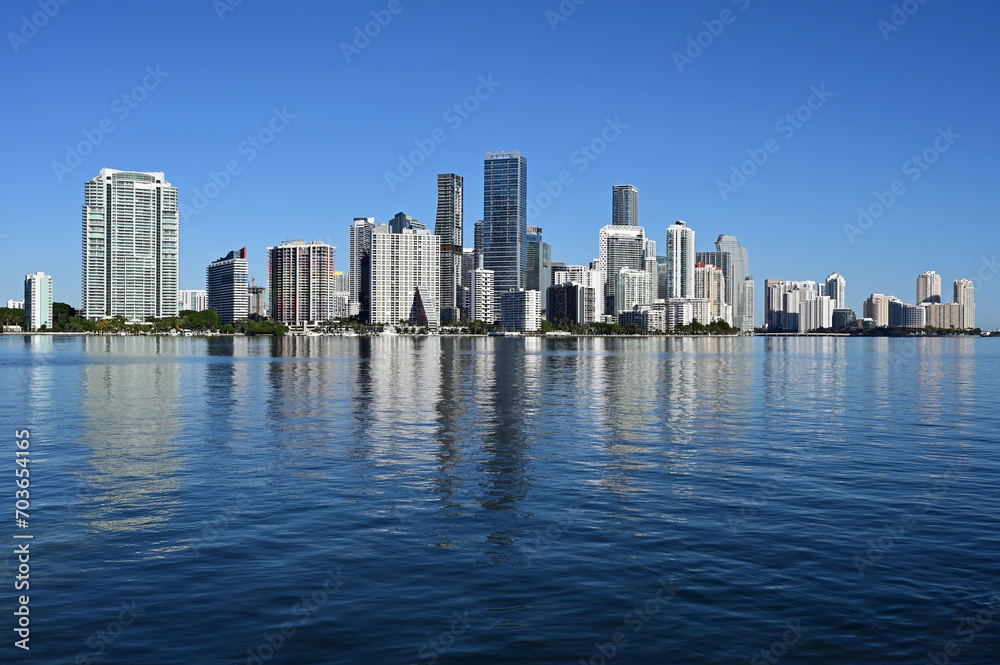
(448, 226)
(505, 201)
(624, 205)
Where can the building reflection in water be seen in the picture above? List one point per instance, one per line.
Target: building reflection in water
(129, 408)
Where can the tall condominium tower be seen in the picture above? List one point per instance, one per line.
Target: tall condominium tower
(965, 295)
(405, 277)
(195, 300)
(538, 276)
(928, 288)
(680, 261)
(505, 201)
(359, 301)
(739, 283)
(836, 290)
(301, 282)
(38, 300)
(130, 246)
(480, 296)
(624, 205)
(448, 227)
(877, 309)
(621, 247)
(227, 286)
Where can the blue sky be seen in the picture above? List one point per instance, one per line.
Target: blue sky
(199, 78)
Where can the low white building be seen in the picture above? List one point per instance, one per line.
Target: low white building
(521, 310)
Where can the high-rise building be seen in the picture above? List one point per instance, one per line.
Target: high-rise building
(131, 242)
(739, 289)
(478, 244)
(227, 286)
(405, 277)
(521, 310)
(620, 247)
(257, 297)
(632, 287)
(816, 314)
(624, 205)
(944, 315)
(844, 319)
(965, 295)
(505, 200)
(710, 283)
(836, 289)
(928, 287)
(539, 274)
(680, 261)
(403, 221)
(38, 301)
(481, 296)
(195, 300)
(301, 282)
(571, 300)
(877, 309)
(448, 227)
(903, 315)
(359, 277)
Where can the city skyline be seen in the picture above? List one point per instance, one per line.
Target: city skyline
(249, 158)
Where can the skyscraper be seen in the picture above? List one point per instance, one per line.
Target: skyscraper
(405, 277)
(624, 205)
(538, 276)
(130, 246)
(359, 300)
(480, 296)
(836, 290)
(877, 309)
(621, 247)
(38, 300)
(505, 200)
(739, 283)
(227, 286)
(448, 227)
(301, 282)
(680, 261)
(632, 287)
(928, 287)
(710, 284)
(965, 295)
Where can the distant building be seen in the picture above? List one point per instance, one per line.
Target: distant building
(403, 221)
(448, 227)
(570, 300)
(520, 310)
(680, 261)
(301, 282)
(195, 300)
(359, 277)
(131, 228)
(620, 247)
(816, 314)
(651, 318)
(877, 309)
(710, 283)
(405, 277)
(928, 288)
(739, 282)
(257, 301)
(944, 315)
(227, 280)
(624, 205)
(38, 301)
(632, 287)
(15, 304)
(539, 271)
(903, 315)
(836, 289)
(965, 295)
(480, 296)
(844, 319)
(505, 200)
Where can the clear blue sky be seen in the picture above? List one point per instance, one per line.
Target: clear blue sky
(681, 130)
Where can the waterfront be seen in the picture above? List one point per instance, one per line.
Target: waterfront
(416, 500)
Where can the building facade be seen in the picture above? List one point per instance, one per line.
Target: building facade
(301, 282)
(928, 287)
(131, 245)
(877, 309)
(480, 296)
(836, 290)
(405, 277)
(448, 227)
(505, 202)
(624, 205)
(521, 310)
(680, 261)
(227, 280)
(965, 295)
(620, 247)
(195, 300)
(539, 271)
(38, 301)
(903, 315)
(359, 277)
(632, 287)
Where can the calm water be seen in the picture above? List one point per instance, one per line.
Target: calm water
(402, 500)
